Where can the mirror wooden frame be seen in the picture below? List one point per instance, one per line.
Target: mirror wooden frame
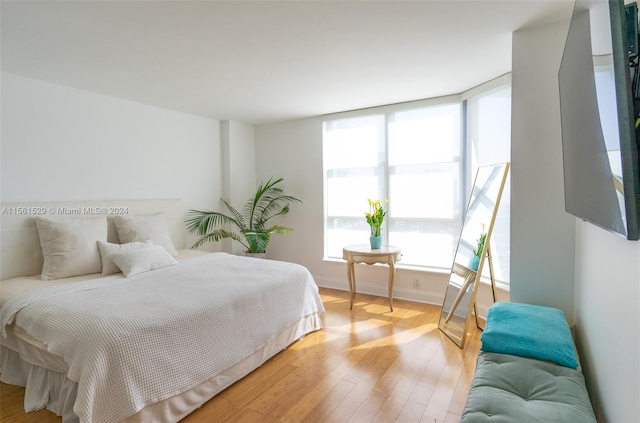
(463, 283)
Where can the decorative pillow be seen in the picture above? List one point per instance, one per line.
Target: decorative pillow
(142, 260)
(143, 228)
(69, 246)
(531, 331)
(107, 248)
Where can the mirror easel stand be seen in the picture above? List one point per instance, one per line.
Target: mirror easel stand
(494, 292)
(459, 301)
(469, 277)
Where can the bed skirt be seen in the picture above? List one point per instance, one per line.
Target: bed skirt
(46, 388)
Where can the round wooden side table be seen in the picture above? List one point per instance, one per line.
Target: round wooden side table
(362, 253)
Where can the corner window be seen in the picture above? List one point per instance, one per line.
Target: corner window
(423, 160)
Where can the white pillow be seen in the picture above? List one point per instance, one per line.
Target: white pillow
(143, 228)
(142, 260)
(107, 248)
(69, 246)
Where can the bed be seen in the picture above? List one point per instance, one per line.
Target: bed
(150, 343)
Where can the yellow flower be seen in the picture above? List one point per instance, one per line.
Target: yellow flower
(375, 216)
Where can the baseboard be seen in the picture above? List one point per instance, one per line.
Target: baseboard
(400, 293)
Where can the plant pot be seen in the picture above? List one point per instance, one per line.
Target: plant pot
(255, 255)
(474, 262)
(375, 241)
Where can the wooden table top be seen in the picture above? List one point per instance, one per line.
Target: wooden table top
(365, 249)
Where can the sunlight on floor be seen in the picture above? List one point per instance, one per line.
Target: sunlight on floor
(361, 326)
(398, 338)
(384, 309)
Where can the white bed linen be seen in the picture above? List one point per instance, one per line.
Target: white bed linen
(53, 390)
(9, 288)
(94, 404)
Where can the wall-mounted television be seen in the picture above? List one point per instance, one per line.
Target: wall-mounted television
(598, 81)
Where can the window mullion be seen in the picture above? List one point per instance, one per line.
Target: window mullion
(385, 195)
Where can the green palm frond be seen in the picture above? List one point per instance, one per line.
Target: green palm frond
(239, 218)
(268, 202)
(280, 230)
(200, 222)
(258, 240)
(278, 206)
(217, 235)
(284, 210)
(259, 206)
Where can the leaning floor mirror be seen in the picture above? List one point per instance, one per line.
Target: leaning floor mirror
(459, 305)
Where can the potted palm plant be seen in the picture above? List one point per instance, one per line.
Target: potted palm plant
(250, 223)
(474, 262)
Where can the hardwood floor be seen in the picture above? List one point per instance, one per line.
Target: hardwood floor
(366, 365)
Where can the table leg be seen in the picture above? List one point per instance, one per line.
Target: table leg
(392, 279)
(353, 281)
(351, 276)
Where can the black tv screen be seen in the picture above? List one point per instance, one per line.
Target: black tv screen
(598, 112)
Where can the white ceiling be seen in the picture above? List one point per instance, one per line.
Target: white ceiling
(260, 62)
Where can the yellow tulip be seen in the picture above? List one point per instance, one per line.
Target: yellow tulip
(376, 215)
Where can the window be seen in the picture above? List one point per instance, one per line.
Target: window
(489, 138)
(418, 159)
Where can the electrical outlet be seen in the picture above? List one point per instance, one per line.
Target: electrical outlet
(416, 283)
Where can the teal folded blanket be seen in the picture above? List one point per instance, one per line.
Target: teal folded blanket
(528, 330)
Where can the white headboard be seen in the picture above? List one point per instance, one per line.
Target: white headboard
(20, 252)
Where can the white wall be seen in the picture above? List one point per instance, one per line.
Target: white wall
(558, 260)
(293, 150)
(607, 305)
(239, 170)
(542, 233)
(60, 143)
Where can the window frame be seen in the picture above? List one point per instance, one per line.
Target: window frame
(465, 162)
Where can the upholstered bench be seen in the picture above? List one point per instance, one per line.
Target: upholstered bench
(527, 369)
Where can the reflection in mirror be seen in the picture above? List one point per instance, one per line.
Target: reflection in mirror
(465, 275)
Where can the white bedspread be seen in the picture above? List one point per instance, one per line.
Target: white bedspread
(136, 341)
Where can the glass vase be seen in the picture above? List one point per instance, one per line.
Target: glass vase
(375, 241)
(474, 262)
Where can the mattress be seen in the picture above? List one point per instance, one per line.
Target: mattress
(508, 388)
(26, 361)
